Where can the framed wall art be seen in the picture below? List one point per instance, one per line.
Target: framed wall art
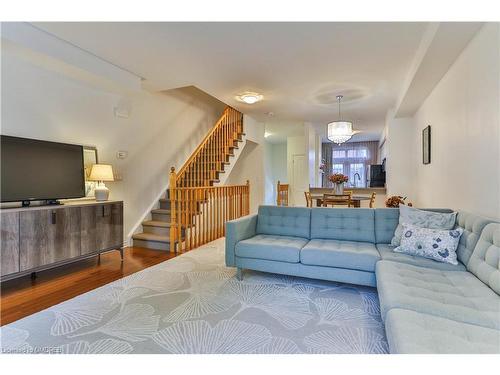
(426, 145)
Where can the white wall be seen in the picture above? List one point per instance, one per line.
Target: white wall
(275, 167)
(463, 112)
(382, 146)
(310, 138)
(162, 130)
(319, 157)
(399, 150)
(268, 174)
(464, 115)
(313, 146)
(250, 164)
(279, 162)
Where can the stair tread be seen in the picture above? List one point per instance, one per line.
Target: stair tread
(150, 237)
(162, 211)
(198, 185)
(156, 223)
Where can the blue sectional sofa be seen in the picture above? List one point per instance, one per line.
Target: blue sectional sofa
(427, 306)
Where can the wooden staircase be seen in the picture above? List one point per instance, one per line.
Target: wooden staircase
(202, 169)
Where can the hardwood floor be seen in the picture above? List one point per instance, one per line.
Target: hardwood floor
(22, 297)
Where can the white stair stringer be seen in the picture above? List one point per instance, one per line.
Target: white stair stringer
(232, 162)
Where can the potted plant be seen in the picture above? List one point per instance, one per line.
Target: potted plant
(395, 201)
(338, 180)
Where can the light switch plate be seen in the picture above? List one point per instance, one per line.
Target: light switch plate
(121, 154)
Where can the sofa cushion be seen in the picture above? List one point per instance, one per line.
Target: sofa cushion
(473, 226)
(387, 253)
(410, 332)
(453, 295)
(345, 224)
(425, 218)
(284, 221)
(342, 275)
(270, 247)
(440, 245)
(343, 254)
(485, 260)
(386, 222)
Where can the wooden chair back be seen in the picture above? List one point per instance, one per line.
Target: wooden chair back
(372, 200)
(309, 200)
(282, 194)
(337, 200)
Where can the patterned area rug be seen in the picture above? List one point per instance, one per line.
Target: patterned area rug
(194, 304)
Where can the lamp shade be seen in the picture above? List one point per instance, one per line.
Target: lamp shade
(339, 131)
(101, 172)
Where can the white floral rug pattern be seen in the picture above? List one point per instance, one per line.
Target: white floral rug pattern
(194, 304)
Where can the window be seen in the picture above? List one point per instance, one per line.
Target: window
(351, 159)
(338, 154)
(357, 174)
(360, 153)
(338, 168)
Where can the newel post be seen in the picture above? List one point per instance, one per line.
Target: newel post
(173, 213)
(248, 198)
(278, 195)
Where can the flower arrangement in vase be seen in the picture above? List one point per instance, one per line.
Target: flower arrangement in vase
(322, 166)
(395, 201)
(338, 180)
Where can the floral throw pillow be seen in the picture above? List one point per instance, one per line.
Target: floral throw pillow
(423, 219)
(437, 244)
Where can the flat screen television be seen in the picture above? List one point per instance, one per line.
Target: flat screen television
(40, 170)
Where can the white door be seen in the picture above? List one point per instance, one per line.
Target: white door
(299, 180)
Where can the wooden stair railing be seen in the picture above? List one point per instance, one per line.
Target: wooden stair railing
(208, 159)
(199, 210)
(198, 214)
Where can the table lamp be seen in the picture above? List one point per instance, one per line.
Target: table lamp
(101, 173)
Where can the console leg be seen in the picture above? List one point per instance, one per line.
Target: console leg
(33, 276)
(121, 253)
(99, 258)
(239, 274)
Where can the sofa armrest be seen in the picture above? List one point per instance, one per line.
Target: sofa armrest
(238, 230)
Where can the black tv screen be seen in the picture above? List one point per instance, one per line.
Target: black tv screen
(40, 170)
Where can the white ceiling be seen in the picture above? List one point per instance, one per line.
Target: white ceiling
(278, 131)
(298, 67)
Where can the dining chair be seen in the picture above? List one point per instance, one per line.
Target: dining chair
(372, 199)
(337, 200)
(309, 200)
(282, 194)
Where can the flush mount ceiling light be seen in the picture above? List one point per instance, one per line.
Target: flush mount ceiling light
(249, 97)
(340, 131)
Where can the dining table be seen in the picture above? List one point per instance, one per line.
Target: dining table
(355, 200)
